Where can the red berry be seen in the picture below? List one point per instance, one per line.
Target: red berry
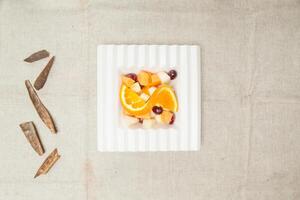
(173, 74)
(157, 110)
(172, 119)
(133, 76)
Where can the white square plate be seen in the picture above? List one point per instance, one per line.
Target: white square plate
(113, 60)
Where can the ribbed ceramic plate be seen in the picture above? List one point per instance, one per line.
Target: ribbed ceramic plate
(113, 60)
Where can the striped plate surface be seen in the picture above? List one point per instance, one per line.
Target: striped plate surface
(114, 60)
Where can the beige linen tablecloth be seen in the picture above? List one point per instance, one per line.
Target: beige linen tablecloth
(250, 94)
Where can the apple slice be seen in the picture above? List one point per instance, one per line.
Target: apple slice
(151, 90)
(148, 123)
(129, 121)
(136, 87)
(164, 77)
(158, 119)
(144, 96)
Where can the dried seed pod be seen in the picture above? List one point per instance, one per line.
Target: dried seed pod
(37, 56)
(32, 136)
(40, 108)
(48, 163)
(42, 78)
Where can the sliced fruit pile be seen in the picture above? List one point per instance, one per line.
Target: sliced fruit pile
(148, 98)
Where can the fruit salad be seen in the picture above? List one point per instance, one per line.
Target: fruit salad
(147, 98)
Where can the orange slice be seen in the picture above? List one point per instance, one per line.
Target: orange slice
(132, 103)
(165, 97)
(135, 105)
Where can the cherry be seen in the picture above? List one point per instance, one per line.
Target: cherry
(133, 76)
(172, 119)
(173, 74)
(157, 110)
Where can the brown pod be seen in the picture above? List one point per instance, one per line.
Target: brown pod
(37, 56)
(40, 108)
(48, 163)
(32, 136)
(42, 78)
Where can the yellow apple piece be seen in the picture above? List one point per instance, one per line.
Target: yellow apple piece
(165, 117)
(144, 78)
(127, 81)
(155, 80)
(148, 123)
